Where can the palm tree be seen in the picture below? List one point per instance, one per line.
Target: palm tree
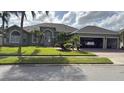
(5, 16)
(62, 38)
(23, 16)
(75, 41)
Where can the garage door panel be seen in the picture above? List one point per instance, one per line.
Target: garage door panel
(91, 42)
(112, 43)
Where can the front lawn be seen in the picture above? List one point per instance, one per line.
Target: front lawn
(42, 51)
(54, 60)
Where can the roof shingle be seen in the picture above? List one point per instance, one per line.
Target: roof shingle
(59, 27)
(95, 30)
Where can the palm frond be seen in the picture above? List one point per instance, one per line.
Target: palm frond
(47, 12)
(33, 14)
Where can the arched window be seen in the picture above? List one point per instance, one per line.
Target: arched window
(15, 33)
(15, 37)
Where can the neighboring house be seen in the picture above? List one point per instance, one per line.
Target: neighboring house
(90, 36)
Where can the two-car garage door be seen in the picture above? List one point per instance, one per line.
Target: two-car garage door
(97, 42)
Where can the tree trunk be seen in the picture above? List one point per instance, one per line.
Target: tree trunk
(21, 34)
(3, 25)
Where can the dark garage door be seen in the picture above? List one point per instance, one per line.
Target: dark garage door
(91, 42)
(112, 43)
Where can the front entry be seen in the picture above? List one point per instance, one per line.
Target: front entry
(47, 38)
(91, 42)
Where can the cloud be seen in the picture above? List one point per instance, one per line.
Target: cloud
(113, 20)
(69, 18)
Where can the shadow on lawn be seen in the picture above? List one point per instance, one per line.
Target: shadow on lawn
(3, 57)
(77, 51)
(44, 60)
(43, 73)
(36, 51)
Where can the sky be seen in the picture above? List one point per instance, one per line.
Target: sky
(113, 20)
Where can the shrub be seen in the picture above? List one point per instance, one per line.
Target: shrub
(68, 46)
(57, 45)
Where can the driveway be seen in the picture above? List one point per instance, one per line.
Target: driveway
(61, 72)
(117, 56)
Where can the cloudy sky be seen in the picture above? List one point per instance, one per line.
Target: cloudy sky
(113, 20)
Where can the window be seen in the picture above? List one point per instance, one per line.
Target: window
(15, 37)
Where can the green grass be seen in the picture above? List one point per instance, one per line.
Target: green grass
(48, 58)
(42, 51)
(54, 60)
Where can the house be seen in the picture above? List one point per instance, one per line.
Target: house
(90, 36)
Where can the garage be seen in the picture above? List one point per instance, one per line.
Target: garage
(91, 42)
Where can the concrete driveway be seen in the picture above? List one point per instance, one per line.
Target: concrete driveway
(61, 72)
(117, 56)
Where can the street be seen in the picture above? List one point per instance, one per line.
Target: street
(69, 72)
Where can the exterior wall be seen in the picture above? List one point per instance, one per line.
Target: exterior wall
(27, 37)
(122, 40)
(25, 40)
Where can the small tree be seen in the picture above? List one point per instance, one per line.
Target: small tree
(76, 41)
(62, 39)
(67, 41)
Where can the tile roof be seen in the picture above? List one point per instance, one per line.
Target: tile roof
(95, 30)
(59, 27)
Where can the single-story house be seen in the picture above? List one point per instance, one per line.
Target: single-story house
(90, 36)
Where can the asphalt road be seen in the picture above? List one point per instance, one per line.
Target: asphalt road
(61, 72)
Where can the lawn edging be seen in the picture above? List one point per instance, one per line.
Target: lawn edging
(49, 55)
(54, 60)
